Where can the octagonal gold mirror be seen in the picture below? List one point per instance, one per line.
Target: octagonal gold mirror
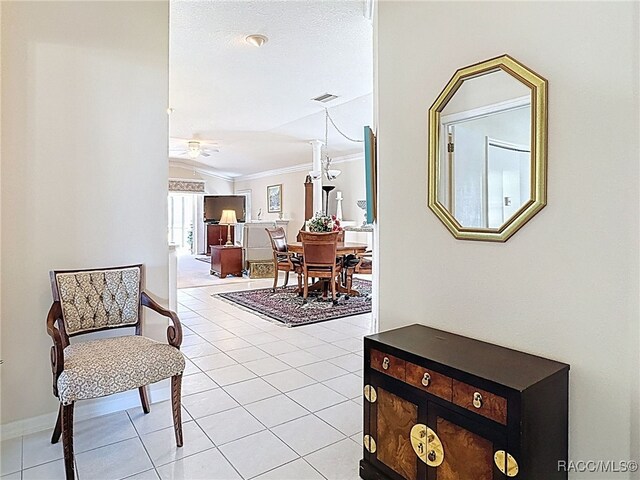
(488, 150)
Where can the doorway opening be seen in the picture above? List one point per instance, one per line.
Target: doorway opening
(182, 222)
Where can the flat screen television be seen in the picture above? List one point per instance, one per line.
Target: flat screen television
(214, 204)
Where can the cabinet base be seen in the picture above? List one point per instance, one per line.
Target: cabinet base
(369, 472)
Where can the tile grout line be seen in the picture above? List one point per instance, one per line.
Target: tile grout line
(153, 465)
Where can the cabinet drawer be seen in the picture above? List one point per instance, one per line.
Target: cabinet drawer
(385, 363)
(436, 383)
(488, 405)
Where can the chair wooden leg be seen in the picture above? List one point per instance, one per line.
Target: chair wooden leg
(286, 279)
(333, 290)
(57, 430)
(349, 282)
(67, 440)
(176, 388)
(275, 280)
(299, 284)
(144, 399)
(306, 289)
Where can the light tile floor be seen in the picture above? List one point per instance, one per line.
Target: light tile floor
(259, 401)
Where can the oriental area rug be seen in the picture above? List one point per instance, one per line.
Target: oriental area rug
(286, 306)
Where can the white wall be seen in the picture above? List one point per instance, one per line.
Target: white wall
(351, 183)
(84, 171)
(566, 285)
(292, 198)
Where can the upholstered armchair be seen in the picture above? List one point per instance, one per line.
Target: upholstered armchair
(86, 301)
(283, 260)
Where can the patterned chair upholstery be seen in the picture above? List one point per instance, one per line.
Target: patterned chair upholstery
(86, 301)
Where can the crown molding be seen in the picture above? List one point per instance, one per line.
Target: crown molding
(199, 169)
(303, 167)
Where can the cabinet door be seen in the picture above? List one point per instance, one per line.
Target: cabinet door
(468, 445)
(388, 423)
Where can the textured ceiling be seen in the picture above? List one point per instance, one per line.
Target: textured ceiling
(255, 103)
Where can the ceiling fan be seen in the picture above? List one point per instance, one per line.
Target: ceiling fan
(192, 148)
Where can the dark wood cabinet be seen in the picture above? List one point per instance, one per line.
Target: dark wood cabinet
(440, 406)
(217, 235)
(226, 260)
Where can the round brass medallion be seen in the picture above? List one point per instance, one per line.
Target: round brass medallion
(508, 466)
(427, 445)
(370, 394)
(369, 443)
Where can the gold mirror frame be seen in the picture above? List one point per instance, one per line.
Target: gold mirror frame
(538, 86)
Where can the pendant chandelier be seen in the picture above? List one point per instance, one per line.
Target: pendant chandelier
(329, 173)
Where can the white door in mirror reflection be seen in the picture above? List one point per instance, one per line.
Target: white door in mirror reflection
(508, 180)
(488, 165)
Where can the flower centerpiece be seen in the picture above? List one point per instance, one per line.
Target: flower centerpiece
(324, 223)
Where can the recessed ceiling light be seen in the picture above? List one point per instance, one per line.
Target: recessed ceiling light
(256, 40)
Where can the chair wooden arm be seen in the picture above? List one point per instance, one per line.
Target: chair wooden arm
(174, 332)
(360, 267)
(277, 254)
(57, 350)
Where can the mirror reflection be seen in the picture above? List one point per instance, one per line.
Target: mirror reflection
(485, 150)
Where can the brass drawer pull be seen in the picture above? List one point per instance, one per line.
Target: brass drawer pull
(385, 363)
(508, 465)
(426, 379)
(477, 400)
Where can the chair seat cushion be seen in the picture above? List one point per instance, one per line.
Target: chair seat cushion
(101, 367)
(285, 260)
(351, 261)
(366, 264)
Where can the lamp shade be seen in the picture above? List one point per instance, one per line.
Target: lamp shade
(228, 217)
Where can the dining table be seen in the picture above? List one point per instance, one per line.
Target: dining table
(343, 249)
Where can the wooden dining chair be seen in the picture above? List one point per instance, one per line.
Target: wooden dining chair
(87, 301)
(319, 260)
(360, 263)
(283, 260)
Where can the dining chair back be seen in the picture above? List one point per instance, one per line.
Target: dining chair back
(283, 260)
(278, 239)
(319, 259)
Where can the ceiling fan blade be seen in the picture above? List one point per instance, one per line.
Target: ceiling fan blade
(205, 154)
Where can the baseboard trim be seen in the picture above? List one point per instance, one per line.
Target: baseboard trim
(158, 392)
